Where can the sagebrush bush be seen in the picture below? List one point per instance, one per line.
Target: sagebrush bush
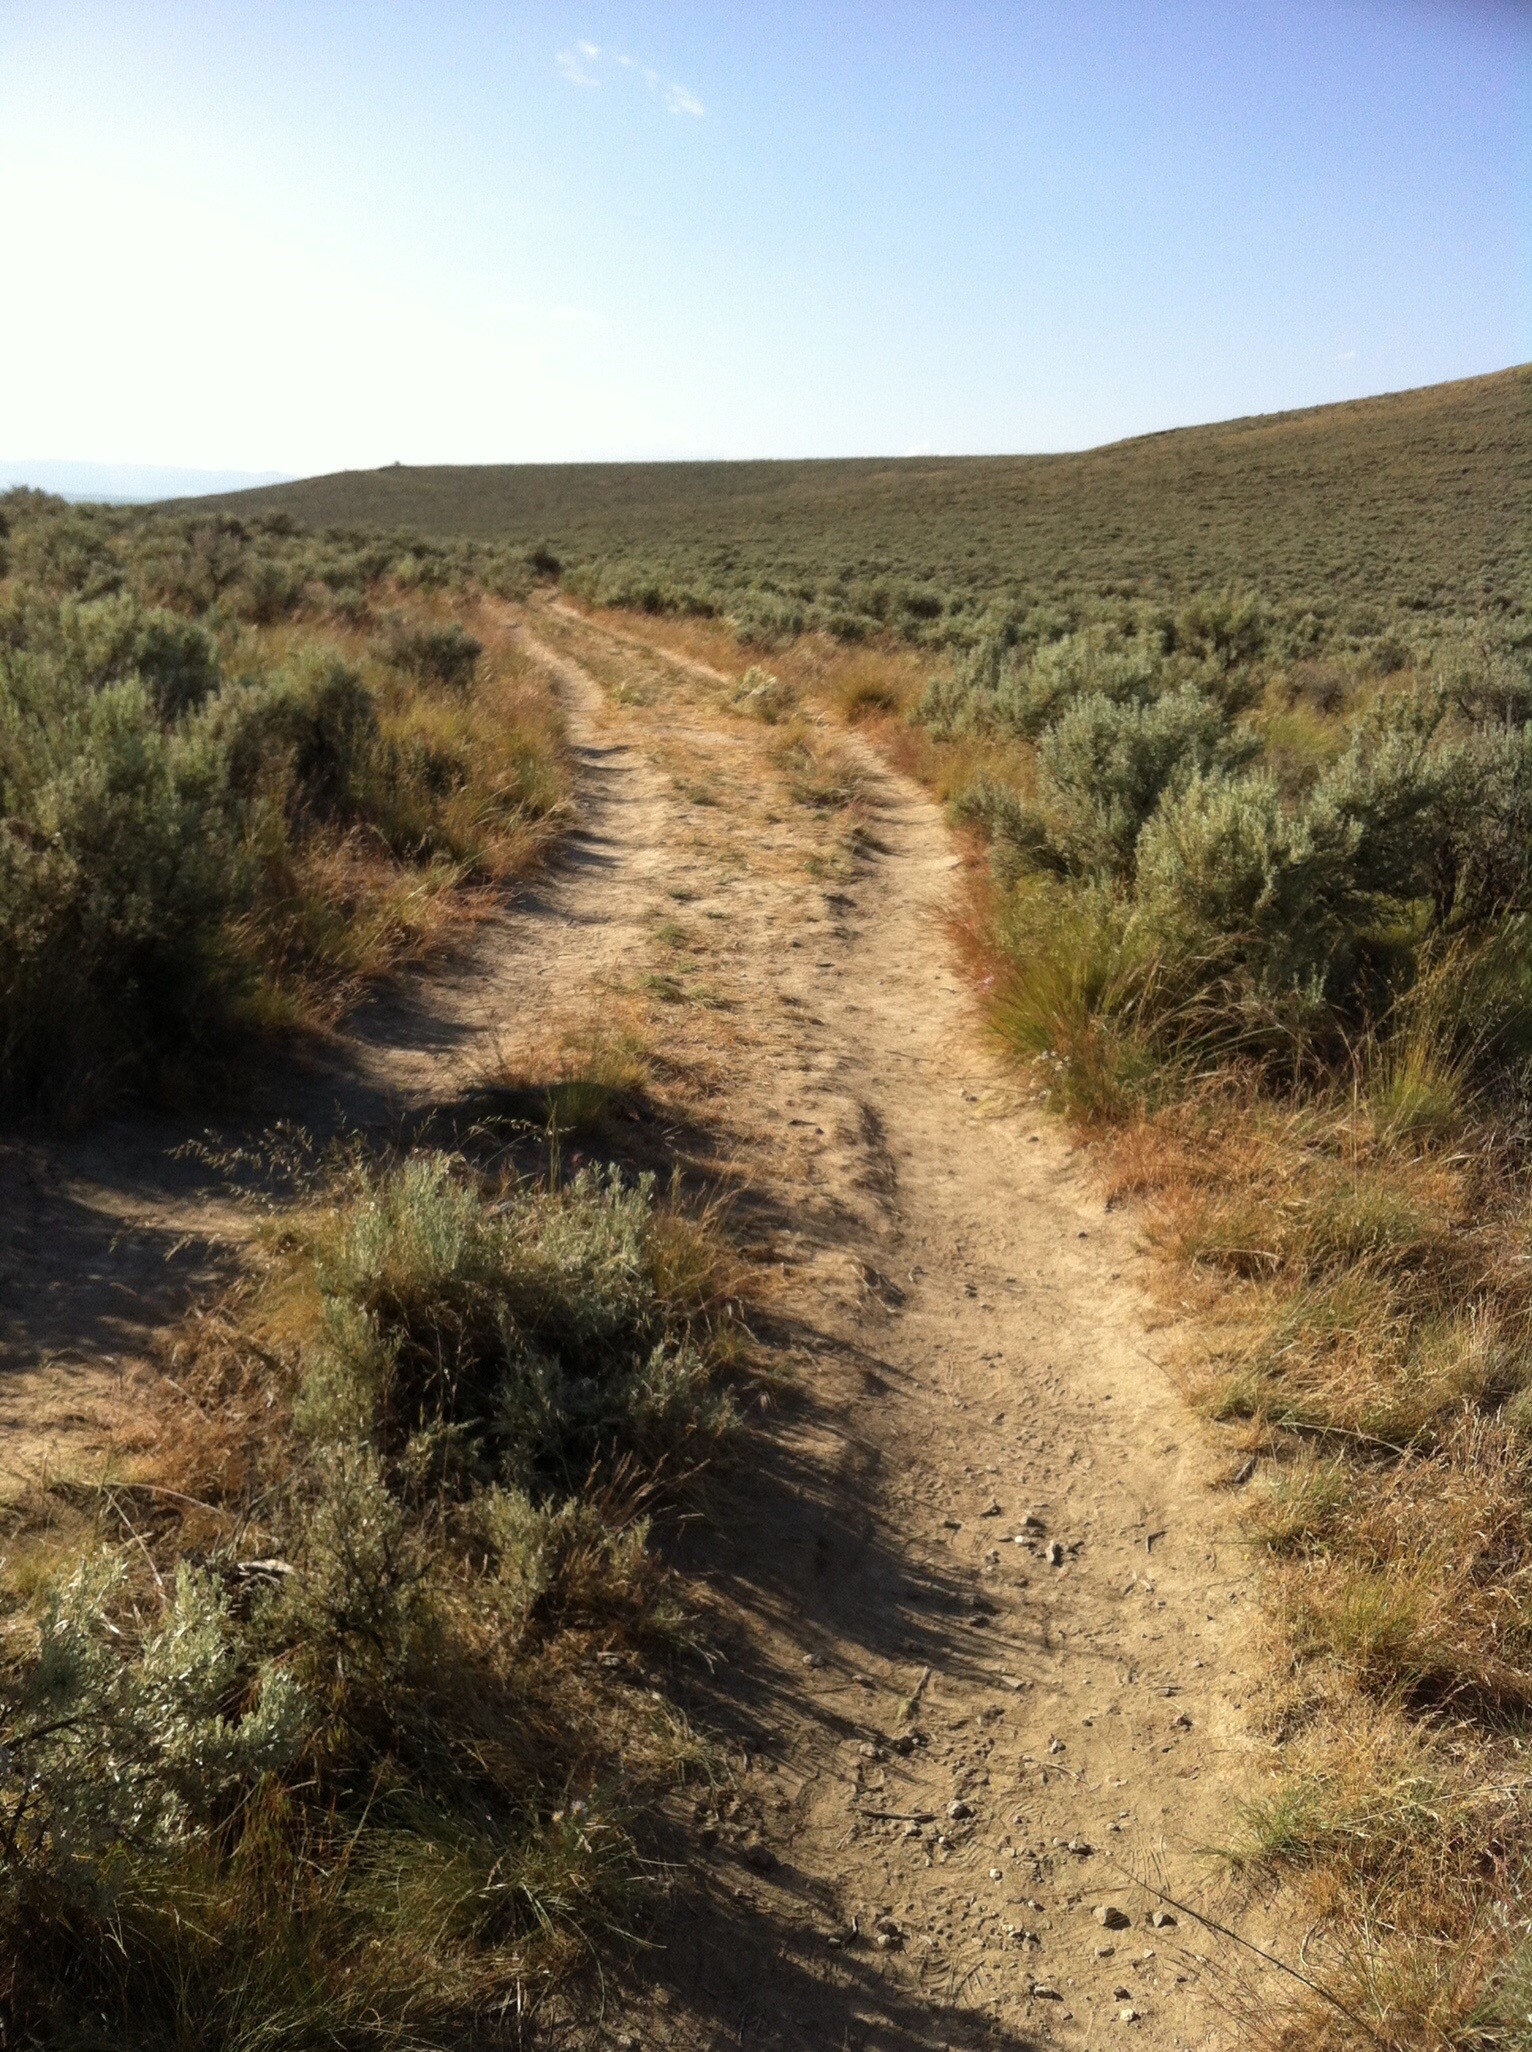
(1229, 878)
(1019, 839)
(118, 871)
(1007, 686)
(147, 1750)
(269, 592)
(359, 1709)
(445, 656)
(1282, 914)
(308, 736)
(1104, 765)
(202, 823)
(1229, 632)
(533, 1334)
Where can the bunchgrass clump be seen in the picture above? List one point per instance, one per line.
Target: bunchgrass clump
(308, 1741)
(765, 697)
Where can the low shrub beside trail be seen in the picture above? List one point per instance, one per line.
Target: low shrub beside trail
(217, 815)
(338, 1739)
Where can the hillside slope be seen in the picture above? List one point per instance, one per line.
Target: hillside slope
(1416, 500)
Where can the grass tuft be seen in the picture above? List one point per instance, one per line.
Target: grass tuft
(339, 1765)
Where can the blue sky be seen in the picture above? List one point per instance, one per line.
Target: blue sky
(298, 237)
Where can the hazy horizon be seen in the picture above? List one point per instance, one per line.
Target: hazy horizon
(112, 484)
(127, 484)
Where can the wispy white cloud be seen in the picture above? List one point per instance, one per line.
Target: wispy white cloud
(680, 101)
(576, 64)
(581, 65)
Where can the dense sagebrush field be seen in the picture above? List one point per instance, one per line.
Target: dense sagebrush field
(1354, 523)
(238, 773)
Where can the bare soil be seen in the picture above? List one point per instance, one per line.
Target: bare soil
(979, 1619)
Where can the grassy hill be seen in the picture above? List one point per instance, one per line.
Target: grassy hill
(1415, 503)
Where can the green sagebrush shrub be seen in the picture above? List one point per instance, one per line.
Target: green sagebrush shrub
(197, 820)
(1021, 675)
(1253, 913)
(1327, 902)
(85, 645)
(149, 812)
(1440, 806)
(525, 1336)
(117, 870)
(1002, 687)
(268, 591)
(1104, 765)
(307, 736)
(1230, 878)
(1018, 837)
(144, 1750)
(320, 1795)
(1229, 630)
(445, 656)
(132, 814)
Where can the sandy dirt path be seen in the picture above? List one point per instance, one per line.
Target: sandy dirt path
(977, 1616)
(984, 1618)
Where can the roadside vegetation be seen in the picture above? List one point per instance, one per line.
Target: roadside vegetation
(1263, 930)
(336, 1725)
(321, 1722)
(240, 771)
(335, 1714)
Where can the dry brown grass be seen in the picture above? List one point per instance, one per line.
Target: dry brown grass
(347, 907)
(585, 1075)
(857, 681)
(486, 1746)
(1362, 1324)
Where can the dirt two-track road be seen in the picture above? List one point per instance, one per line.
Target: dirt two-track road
(977, 1615)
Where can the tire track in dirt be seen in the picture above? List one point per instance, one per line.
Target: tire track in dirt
(990, 1500)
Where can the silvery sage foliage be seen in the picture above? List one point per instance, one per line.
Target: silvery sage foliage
(123, 1737)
